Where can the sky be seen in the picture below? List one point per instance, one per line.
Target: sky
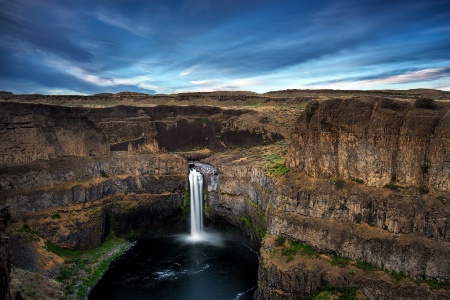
(172, 46)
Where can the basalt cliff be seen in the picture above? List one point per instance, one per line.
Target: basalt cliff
(346, 193)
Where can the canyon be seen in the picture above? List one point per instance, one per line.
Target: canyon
(343, 192)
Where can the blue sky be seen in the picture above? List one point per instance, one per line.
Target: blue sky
(163, 46)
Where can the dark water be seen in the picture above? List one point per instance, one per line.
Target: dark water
(174, 268)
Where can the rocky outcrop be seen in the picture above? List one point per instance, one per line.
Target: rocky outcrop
(76, 203)
(5, 256)
(42, 185)
(397, 231)
(5, 266)
(301, 277)
(179, 128)
(376, 140)
(38, 132)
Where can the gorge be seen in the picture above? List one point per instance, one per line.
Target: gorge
(345, 193)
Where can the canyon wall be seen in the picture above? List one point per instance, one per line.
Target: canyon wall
(5, 257)
(394, 231)
(376, 140)
(363, 223)
(31, 132)
(87, 192)
(179, 128)
(68, 176)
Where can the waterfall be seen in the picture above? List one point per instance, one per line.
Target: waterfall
(196, 185)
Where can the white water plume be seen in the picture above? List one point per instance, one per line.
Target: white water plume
(196, 185)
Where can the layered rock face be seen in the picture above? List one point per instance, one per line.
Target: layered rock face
(300, 279)
(400, 231)
(376, 140)
(88, 191)
(366, 224)
(5, 260)
(35, 132)
(175, 128)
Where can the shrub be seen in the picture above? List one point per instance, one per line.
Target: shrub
(19, 296)
(397, 276)
(339, 183)
(247, 223)
(339, 260)
(392, 186)
(358, 180)
(279, 169)
(423, 189)
(366, 266)
(55, 216)
(279, 241)
(425, 168)
(298, 247)
(334, 292)
(424, 102)
(103, 174)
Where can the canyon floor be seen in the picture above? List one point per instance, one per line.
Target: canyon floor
(346, 192)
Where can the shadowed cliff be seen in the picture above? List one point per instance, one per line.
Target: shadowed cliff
(375, 140)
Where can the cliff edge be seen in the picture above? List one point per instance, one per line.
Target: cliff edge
(375, 140)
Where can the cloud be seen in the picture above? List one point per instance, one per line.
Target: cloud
(204, 82)
(189, 70)
(30, 36)
(416, 76)
(423, 75)
(141, 81)
(121, 22)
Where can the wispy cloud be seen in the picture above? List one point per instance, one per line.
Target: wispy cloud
(419, 76)
(141, 81)
(121, 22)
(189, 70)
(416, 76)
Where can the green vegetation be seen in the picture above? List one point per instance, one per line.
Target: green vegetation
(392, 186)
(298, 247)
(246, 221)
(397, 276)
(55, 216)
(28, 233)
(334, 292)
(339, 183)
(185, 208)
(339, 260)
(103, 174)
(279, 241)
(358, 180)
(366, 266)
(279, 169)
(203, 122)
(132, 235)
(255, 224)
(423, 189)
(85, 267)
(277, 165)
(434, 284)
